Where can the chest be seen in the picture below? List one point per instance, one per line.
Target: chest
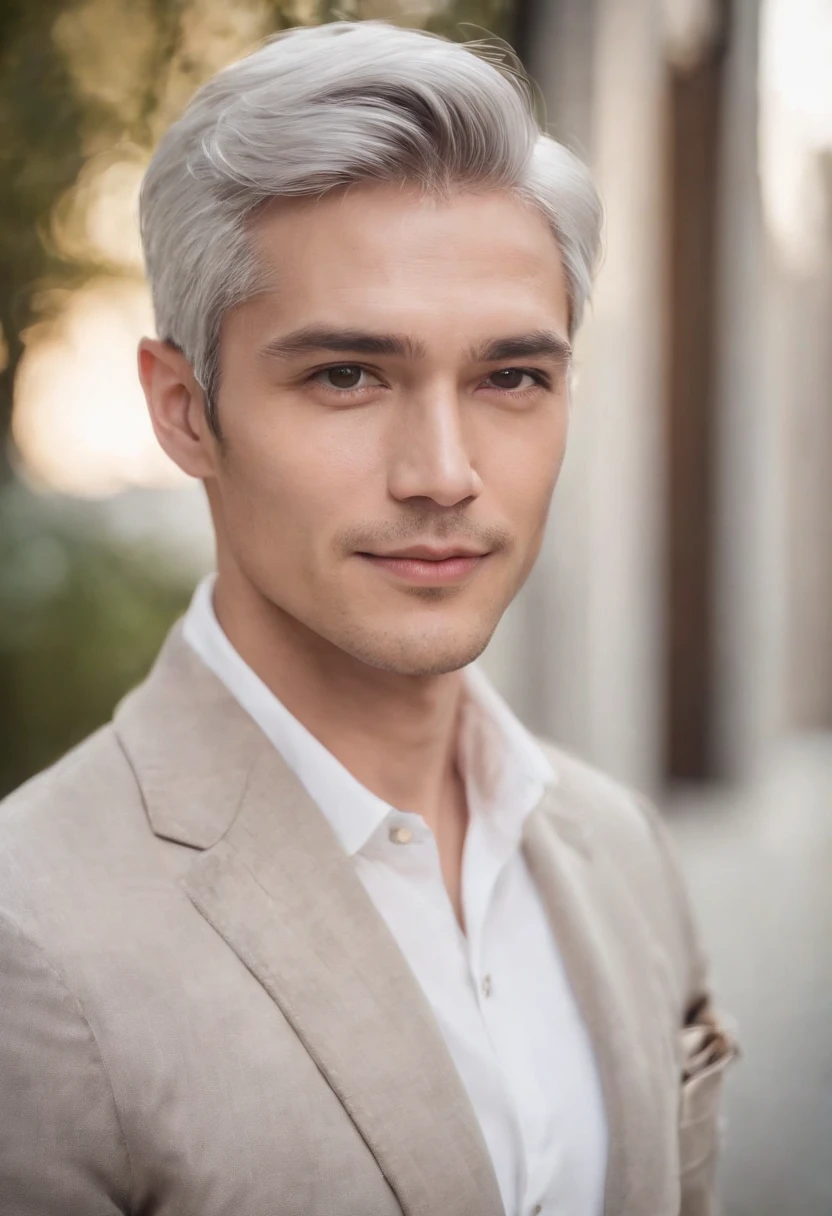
(503, 1002)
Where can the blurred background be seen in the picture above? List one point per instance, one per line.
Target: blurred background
(678, 628)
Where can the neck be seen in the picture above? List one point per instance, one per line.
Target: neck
(395, 733)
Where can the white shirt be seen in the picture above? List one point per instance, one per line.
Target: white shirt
(500, 994)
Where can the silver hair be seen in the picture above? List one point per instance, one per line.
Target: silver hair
(319, 108)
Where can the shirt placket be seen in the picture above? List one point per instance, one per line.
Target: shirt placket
(485, 857)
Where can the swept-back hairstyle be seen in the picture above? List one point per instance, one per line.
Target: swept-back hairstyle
(325, 107)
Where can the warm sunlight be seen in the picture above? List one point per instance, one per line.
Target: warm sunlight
(80, 420)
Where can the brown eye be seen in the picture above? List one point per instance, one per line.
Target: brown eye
(347, 376)
(508, 378)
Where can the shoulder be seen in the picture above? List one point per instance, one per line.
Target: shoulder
(84, 773)
(626, 835)
(604, 805)
(64, 827)
(612, 816)
(51, 1062)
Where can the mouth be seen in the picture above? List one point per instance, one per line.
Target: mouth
(428, 567)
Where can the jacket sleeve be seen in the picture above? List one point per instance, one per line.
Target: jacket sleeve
(61, 1148)
(706, 1048)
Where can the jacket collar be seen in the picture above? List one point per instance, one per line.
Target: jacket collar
(190, 745)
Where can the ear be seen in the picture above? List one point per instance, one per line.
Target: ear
(176, 404)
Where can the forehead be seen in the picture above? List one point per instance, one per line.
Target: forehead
(392, 257)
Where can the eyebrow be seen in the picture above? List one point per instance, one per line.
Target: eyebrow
(343, 341)
(538, 344)
(542, 343)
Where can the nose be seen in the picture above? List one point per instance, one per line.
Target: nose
(429, 456)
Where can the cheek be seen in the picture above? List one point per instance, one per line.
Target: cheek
(289, 471)
(527, 469)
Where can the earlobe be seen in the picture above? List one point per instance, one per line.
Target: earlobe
(176, 404)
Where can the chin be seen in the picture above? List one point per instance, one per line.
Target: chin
(432, 654)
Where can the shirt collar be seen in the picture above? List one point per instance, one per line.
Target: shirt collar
(504, 770)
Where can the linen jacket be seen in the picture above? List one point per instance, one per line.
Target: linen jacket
(203, 1014)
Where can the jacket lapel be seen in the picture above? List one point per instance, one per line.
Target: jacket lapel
(607, 960)
(275, 884)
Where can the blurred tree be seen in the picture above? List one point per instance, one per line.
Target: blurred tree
(80, 619)
(40, 157)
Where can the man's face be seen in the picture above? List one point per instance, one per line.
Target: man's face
(401, 397)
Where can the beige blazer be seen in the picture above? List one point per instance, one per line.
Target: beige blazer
(203, 1014)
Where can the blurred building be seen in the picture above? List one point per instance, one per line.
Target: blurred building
(684, 601)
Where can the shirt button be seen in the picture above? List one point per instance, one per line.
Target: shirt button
(537, 1209)
(486, 991)
(401, 835)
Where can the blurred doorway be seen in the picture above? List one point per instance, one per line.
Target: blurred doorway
(695, 90)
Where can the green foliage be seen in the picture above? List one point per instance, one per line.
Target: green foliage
(81, 619)
(465, 20)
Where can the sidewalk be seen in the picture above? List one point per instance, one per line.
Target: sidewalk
(759, 866)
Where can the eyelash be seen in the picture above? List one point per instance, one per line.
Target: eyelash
(541, 380)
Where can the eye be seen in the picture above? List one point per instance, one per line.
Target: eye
(510, 379)
(345, 377)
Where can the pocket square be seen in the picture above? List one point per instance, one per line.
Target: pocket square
(706, 1042)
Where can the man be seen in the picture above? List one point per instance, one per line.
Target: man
(314, 927)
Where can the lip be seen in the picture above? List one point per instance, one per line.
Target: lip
(436, 571)
(431, 553)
